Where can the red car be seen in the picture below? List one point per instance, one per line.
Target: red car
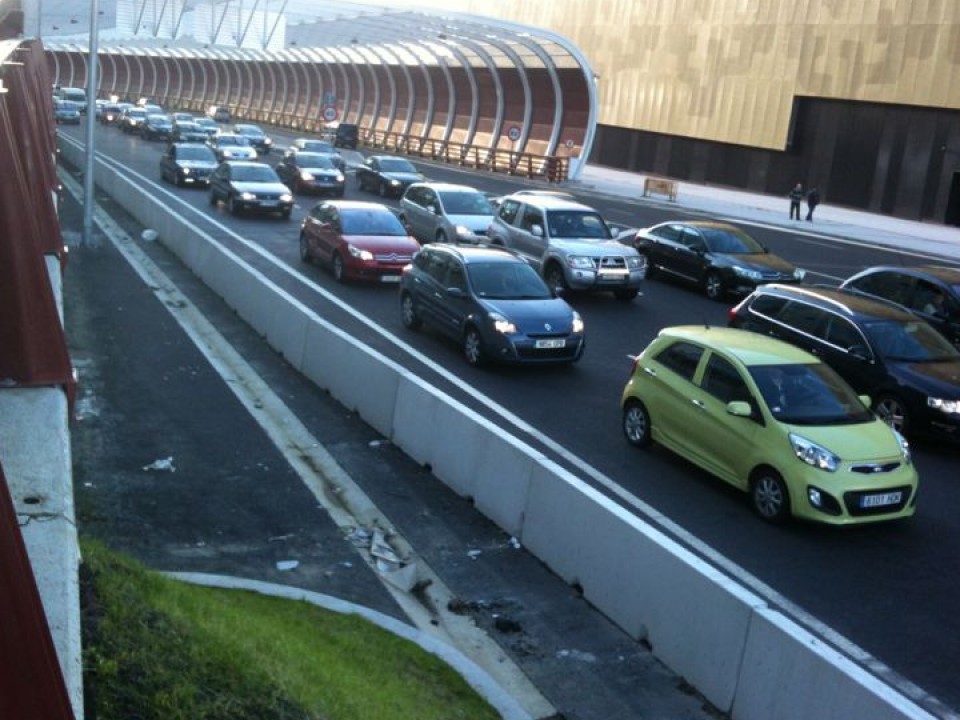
(357, 240)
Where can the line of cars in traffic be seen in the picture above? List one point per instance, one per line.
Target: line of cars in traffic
(823, 402)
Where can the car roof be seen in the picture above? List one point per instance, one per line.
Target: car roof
(447, 187)
(850, 302)
(549, 202)
(476, 253)
(245, 163)
(357, 205)
(750, 348)
(702, 224)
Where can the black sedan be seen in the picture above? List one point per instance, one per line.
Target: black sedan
(188, 164)
(188, 131)
(255, 136)
(157, 127)
(310, 172)
(930, 291)
(718, 257)
(250, 186)
(492, 302)
(386, 175)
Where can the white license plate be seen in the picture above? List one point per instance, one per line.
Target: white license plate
(268, 203)
(869, 501)
(550, 343)
(390, 278)
(614, 273)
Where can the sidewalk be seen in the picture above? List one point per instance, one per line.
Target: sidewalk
(906, 235)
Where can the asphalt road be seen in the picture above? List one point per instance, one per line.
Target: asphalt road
(884, 593)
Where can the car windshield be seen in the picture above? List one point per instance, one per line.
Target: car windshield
(503, 281)
(466, 203)
(577, 224)
(251, 130)
(720, 240)
(195, 153)
(206, 122)
(232, 140)
(808, 395)
(370, 221)
(911, 341)
(397, 165)
(254, 173)
(137, 113)
(315, 160)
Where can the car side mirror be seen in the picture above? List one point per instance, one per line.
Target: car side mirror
(536, 230)
(739, 408)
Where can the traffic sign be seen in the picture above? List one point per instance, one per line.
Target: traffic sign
(330, 113)
(513, 133)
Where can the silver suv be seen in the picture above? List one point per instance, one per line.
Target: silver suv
(570, 243)
(442, 212)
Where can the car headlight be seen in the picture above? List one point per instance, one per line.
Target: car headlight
(185, 171)
(463, 231)
(950, 407)
(813, 454)
(339, 177)
(799, 274)
(634, 262)
(267, 141)
(502, 325)
(904, 446)
(395, 183)
(577, 322)
(306, 176)
(248, 196)
(580, 262)
(359, 253)
(747, 273)
(287, 197)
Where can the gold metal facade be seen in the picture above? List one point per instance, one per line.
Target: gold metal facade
(729, 70)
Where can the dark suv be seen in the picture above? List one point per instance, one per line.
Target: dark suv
(909, 370)
(492, 302)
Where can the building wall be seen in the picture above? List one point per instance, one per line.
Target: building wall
(858, 96)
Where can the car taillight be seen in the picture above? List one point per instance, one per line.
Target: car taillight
(634, 362)
(735, 310)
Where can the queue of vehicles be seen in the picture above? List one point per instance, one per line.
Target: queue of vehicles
(807, 413)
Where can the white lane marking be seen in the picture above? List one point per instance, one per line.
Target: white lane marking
(335, 491)
(649, 512)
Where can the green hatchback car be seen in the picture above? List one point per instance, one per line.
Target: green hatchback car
(772, 420)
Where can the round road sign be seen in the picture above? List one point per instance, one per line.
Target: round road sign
(514, 133)
(329, 113)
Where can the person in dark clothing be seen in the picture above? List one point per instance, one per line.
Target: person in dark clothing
(796, 197)
(813, 199)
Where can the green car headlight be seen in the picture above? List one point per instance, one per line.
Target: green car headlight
(813, 454)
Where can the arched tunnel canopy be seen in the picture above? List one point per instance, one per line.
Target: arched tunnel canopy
(450, 77)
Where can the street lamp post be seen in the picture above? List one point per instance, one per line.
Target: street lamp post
(92, 84)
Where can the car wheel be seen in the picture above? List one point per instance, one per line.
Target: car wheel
(337, 264)
(285, 214)
(305, 249)
(473, 347)
(768, 493)
(232, 207)
(213, 198)
(408, 312)
(625, 295)
(360, 185)
(555, 278)
(713, 285)
(636, 424)
(382, 189)
(893, 412)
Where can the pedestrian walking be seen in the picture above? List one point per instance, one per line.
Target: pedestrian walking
(813, 199)
(796, 197)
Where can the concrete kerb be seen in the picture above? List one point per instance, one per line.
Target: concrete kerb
(474, 675)
(611, 535)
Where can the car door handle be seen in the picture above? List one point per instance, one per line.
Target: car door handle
(699, 403)
(650, 371)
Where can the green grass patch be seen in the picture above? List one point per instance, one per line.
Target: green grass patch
(157, 648)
